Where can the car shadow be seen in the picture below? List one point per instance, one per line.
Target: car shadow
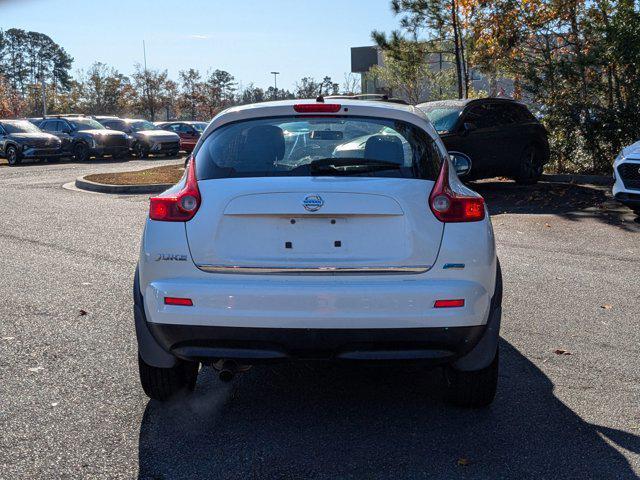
(571, 201)
(316, 421)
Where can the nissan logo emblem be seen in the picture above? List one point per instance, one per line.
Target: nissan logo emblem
(312, 203)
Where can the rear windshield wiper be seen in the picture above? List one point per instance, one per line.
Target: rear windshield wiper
(360, 164)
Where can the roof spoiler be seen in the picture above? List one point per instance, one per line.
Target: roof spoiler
(376, 97)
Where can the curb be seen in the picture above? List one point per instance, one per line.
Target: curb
(579, 179)
(84, 184)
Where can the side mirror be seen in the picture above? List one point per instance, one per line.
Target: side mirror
(469, 127)
(461, 162)
(66, 130)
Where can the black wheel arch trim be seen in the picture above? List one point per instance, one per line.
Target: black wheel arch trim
(148, 348)
(485, 350)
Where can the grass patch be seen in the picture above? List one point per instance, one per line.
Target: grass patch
(166, 174)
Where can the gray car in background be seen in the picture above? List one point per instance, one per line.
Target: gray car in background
(21, 139)
(144, 137)
(83, 138)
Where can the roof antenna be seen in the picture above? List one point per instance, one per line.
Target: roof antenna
(320, 97)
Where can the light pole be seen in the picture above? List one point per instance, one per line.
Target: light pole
(275, 82)
(44, 97)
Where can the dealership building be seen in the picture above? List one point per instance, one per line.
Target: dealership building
(363, 58)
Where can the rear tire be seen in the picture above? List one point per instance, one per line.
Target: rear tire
(13, 156)
(163, 383)
(474, 389)
(530, 166)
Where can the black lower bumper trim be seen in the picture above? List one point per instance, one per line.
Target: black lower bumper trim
(208, 344)
(110, 150)
(630, 199)
(42, 154)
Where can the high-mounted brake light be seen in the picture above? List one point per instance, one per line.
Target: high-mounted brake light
(317, 107)
(449, 303)
(181, 302)
(181, 206)
(451, 206)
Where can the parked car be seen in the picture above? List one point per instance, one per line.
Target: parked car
(83, 137)
(626, 173)
(144, 137)
(267, 251)
(500, 137)
(21, 139)
(189, 132)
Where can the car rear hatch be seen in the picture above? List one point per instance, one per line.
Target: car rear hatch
(314, 225)
(308, 188)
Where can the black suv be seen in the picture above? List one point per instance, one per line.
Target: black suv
(500, 136)
(144, 137)
(84, 138)
(21, 139)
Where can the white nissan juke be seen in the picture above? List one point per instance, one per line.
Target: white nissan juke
(332, 229)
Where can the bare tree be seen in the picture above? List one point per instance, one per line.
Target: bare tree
(351, 84)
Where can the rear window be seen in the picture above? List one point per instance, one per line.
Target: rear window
(442, 118)
(320, 146)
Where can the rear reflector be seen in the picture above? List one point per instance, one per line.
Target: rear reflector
(183, 302)
(449, 303)
(317, 107)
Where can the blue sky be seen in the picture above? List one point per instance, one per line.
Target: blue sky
(248, 38)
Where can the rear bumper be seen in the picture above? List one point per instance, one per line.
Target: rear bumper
(404, 302)
(209, 344)
(187, 146)
(469, 346)
(369, 321)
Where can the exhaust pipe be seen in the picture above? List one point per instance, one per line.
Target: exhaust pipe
(228, 370)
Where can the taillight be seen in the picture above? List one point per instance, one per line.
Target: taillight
(449, 205)
(179, 207)
(317, 107)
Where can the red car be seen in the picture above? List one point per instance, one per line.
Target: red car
(189, 132)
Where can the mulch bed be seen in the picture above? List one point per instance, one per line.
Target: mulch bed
(155, 175)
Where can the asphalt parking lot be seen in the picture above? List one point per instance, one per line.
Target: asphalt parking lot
(71, 405)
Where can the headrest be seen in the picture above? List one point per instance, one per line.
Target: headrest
(386, 148)
(263, 145)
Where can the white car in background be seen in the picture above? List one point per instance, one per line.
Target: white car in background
(626, 173)
(272, 248)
